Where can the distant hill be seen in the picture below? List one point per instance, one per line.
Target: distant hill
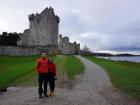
(102, 54)
(108, 54)
(126, 54)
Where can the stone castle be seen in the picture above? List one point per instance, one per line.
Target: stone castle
(43, 33)
(67, 47)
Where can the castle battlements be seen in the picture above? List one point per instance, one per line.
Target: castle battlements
(44, 30)
(46, 13)
(67, 47)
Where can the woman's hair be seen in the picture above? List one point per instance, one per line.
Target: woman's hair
(50, 60)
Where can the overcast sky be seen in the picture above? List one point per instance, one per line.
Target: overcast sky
(103, 25)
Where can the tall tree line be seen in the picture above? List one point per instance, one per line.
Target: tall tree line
(9, 38)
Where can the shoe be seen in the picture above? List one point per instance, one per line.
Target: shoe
(40, 96)
(45, 95)
(51, 93)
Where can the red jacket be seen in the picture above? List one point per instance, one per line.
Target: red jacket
(52, 68)
(42, 65)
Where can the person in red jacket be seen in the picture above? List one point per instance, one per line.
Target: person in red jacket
(51, 76)
(42, 71)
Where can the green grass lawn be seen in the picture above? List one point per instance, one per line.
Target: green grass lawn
(12, 68)
(73, 66)
(124, 75)
(21, 69)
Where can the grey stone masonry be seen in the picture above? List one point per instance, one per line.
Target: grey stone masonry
(43, 29)
(18, 50)
(67, 47)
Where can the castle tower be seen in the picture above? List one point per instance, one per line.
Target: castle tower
(43, 34)
(60, 42)
(44, 28)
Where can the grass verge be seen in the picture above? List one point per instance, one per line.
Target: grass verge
(73, 67)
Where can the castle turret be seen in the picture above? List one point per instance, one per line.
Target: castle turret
(44, 28)
(66, 39)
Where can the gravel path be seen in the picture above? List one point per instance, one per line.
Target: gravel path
(93, 88)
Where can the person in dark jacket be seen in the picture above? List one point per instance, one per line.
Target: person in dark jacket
(42, 71)
(51, 76)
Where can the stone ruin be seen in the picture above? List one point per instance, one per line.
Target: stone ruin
(67, 47)
(43, 34)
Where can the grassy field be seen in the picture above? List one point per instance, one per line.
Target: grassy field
(73, 66)
(12, 68)
(124, 75)
(21, 69)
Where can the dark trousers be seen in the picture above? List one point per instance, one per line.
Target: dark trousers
(51, 81)
(42, 80)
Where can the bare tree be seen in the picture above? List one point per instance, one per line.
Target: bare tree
(86, 51)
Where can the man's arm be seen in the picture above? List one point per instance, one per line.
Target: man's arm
(37, 65)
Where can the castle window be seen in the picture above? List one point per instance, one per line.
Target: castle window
(37, 20)
(52, 40)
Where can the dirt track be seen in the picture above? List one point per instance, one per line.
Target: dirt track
(92, 88)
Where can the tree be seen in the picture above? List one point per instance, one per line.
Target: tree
(86, 51)
(9, 38)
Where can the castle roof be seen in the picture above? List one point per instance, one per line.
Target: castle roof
(47, 10)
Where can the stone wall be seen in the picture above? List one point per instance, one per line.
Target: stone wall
(24, 38)
(18, 50)
(67, 47)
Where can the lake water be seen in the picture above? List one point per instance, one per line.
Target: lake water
(124, 58)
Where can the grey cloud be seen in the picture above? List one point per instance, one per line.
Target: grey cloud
(100, 24)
